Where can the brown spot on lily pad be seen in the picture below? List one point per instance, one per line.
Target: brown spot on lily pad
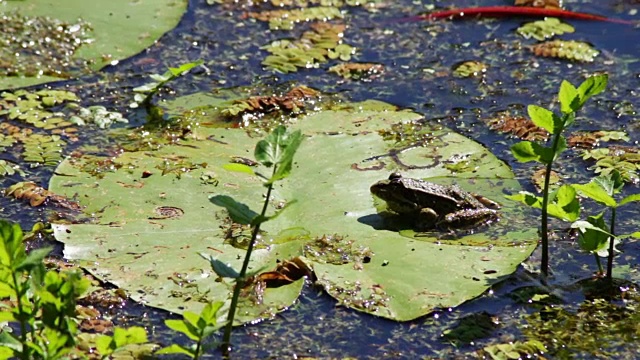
(167, 212)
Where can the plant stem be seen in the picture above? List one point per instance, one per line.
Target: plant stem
(25, 354)
(226, 341)
(198, 345)
(544, 262)
(600, 269)
(611, 249)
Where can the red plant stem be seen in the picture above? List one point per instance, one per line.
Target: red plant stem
(504, 11)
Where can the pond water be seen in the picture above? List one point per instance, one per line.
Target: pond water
(418, 59)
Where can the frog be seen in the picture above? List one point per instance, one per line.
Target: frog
(435, 206)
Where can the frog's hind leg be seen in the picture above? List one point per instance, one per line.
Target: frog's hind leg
(486, 201)
(468, 218)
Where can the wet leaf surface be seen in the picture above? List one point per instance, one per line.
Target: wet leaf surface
(356, 256)
(115, 30)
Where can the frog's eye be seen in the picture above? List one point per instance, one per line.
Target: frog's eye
(395, 176)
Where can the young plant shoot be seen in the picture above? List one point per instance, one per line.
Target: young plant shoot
(561, 203)
(595, 235)
(145, 93)
(276, 151)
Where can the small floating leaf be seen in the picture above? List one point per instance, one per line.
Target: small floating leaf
(286, 19)
(515, 350)
(591, 139)
(311, 49)
(358, 71)
(470, 69)
(624, 159)
(544, 29)
(518, 126)
(566, 49)
(43, 149)
(8, 168)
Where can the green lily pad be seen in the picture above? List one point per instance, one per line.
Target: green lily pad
(107, 31)
(147, 230)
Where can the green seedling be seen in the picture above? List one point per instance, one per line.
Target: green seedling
(106, 345)
(41, 302)
(146, 92)
(595, 235)
(276, 151)
(561, 203)
(195, 327)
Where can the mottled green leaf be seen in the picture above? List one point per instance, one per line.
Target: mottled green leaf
(120, 29)
(343, 154)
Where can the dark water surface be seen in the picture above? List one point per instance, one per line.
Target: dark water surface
(418, 57)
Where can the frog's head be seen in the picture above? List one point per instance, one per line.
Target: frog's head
(388, 189)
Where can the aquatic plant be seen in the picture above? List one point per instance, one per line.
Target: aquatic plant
(566, 49)
(146, 92)
(314, 47)
(595, 235)
(196, 327)
(544, 29)
(625, 159)
(42, 303)
(276, 151)
(561, 203)
(286, 19)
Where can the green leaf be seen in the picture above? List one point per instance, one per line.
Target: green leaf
(592, 86)
(563, 204)
(543, 118)
(526, 151)
(105, 345)
(569, 98)
(242, 168)
(177, 349)
(6, 353)
(130, 335)
(527, 198)
(239, 212)
(185, 67)
(210, 313)
(285, 162)
(7, 341)
(220, 268)
(595, 191)
(630, 198)
(159, 78)
(269, 151)
(34, 259)
(594, 234)
(11, 248)
(117, 33)
(183, 327)
(157, 259)
(6, 316)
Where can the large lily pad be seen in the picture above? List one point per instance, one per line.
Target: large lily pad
(119, 29)
(358, 256)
